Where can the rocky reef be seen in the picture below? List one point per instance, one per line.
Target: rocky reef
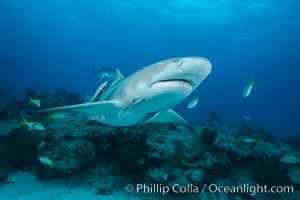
(107, 158)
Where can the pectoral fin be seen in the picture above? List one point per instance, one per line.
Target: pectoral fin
(106, 108)
(172, 116)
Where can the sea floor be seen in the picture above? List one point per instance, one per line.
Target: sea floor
(25, 186)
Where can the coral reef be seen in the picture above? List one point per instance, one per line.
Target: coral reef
(3, 175)
(212, 118)
(209, 135)
(30, 93)
(63, 97)
(3, 114)
(294, 175)
(18, 147)
(106, 158)
(69, 157)
(270, 172)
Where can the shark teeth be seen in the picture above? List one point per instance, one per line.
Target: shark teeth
(179, 81)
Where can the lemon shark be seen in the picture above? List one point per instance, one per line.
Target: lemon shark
(146, 95)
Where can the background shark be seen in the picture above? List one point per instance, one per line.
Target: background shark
(146, 95)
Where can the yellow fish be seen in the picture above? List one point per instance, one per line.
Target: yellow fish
(58, 115)
(37, 102)
(47, 161)
(32, 125)
(248, 88)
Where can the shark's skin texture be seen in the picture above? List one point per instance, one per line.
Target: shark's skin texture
(146, 95)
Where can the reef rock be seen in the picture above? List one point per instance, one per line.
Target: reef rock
(209, 135)
(7, 126)
(195, 175)
(18, 147)
(159, 175)
(265, 149)
(72, 156)
(294, 175)
(235, 147)
(232, 146)
(3, 175)
(175, 156)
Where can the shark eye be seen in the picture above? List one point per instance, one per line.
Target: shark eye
(181, 67)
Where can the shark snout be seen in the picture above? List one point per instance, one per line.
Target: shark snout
(194, 69)
(184, 71)
(195, 65)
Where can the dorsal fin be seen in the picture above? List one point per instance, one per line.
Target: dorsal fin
(117, 76)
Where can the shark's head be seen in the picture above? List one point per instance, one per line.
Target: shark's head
(168, 82)
(181, 72)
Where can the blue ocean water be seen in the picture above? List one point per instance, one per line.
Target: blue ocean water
(52, 44)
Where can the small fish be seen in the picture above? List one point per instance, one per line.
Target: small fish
(32, 125)
(250, 140)
(99, 92)
(248, 88)
(289, 159)
(213, 113)
(134, 103)
(58, 115)
(47, 161)
(37, 102)
(104, 72)
(36, 126)
(193, 102)
(247, 118)
(41, 145)
(150, 117)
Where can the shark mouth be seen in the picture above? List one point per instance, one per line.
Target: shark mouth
(178, 81)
